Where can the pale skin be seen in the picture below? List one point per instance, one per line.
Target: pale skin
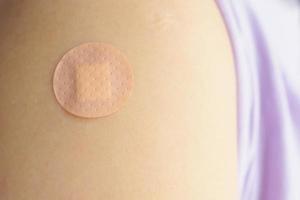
(174, 139)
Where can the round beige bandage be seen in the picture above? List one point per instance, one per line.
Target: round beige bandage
(92, 80)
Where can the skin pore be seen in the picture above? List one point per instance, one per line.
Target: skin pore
(174, 139)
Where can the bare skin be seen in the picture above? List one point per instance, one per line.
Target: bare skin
(176, 137)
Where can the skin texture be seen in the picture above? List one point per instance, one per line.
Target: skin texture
(174, 139)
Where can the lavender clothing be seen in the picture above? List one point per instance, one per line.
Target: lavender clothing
(265, 36)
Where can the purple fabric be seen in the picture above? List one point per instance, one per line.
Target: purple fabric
(265, 36)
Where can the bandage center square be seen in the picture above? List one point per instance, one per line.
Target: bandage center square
(93, 82)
